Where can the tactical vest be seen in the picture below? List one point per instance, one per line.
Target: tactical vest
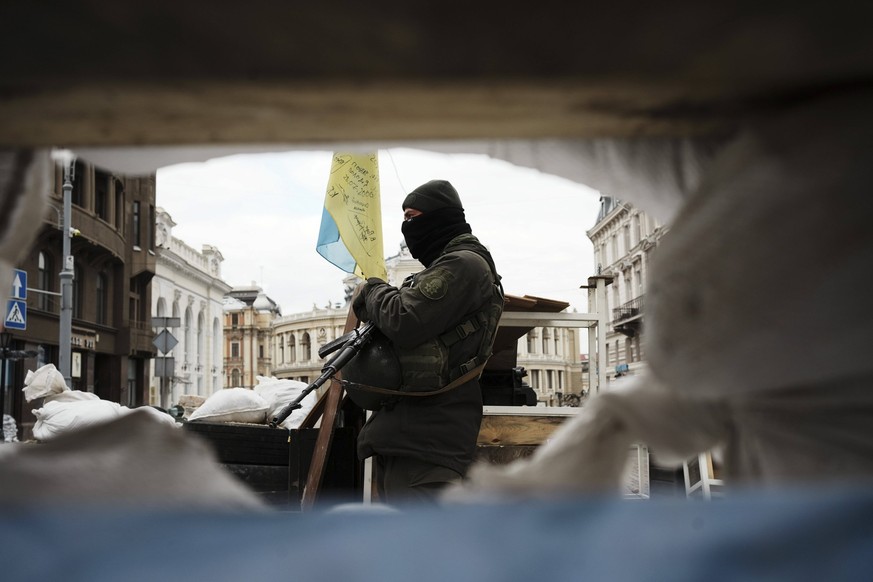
(426, 367)
(379, 375)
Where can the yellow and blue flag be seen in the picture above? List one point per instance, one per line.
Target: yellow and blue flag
(350, 236)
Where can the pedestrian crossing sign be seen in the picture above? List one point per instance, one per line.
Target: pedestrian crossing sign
(16, 314)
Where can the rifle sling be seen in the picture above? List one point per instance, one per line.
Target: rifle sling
(474, 373)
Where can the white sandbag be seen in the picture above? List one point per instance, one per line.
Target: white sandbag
(60, 417)
(133, 460)
(279, 393)
(71, 396)
(762, 280)
(156, 414)
(233, 405)
(45, 381)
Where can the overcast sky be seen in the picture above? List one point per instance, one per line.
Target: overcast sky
(263, 212)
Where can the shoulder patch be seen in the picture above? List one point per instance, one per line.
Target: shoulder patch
(434, 286)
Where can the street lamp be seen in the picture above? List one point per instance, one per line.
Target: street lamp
(65, 329)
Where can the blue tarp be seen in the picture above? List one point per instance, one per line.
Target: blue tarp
(820, 535)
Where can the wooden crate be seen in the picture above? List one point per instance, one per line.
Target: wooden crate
(514, 432)
(274, 462)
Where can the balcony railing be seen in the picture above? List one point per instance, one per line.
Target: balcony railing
(630, 310)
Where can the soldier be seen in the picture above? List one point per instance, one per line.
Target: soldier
(441, 323)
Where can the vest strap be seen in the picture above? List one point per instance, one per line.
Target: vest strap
(469, 375)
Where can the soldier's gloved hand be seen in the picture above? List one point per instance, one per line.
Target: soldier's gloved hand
(359, 297)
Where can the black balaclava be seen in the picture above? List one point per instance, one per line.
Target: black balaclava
(442, 219)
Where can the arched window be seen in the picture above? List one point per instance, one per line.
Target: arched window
(161, 309)
(189, 336)
(292, 349)
(547, 340)
(44, 280)
(201, 351)
(217, 353)
(558, 350)
(306, 346)
(531, 342)
(176, 313)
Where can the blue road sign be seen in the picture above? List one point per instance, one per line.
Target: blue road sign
(16, 314)
(19, 285)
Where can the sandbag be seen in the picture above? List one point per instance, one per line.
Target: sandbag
(232, 405)
(279, 393)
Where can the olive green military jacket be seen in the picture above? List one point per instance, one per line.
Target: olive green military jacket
(417, 317)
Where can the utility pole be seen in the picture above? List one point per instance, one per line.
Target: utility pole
(65, 329)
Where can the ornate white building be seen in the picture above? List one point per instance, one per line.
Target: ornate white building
(623, 238)
(550, 356)
(298, 337)
(187, 285)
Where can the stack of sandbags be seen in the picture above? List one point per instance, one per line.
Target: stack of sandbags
(66, 410)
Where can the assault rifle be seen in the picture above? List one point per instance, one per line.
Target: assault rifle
(348, 345)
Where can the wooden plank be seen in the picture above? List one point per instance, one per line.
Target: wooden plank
(325, 432)
(517, 430)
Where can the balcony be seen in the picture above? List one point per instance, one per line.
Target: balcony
(628, 318)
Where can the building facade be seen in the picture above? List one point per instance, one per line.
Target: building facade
(551, 358)
(298, 337)
(248, 336)
(623, 239)
(114, 256)
(187, 286)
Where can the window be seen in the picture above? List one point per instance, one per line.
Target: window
(234, 350)
(261, 351)
(119, 206)
(638, 228)
(615, 254)
(547, 340)
(607, 353)
(292, 349)
(638, 274)
(201, 323)
(77, 196)
(44, 280)
(101, 194)
(307, 347)
(152, 228)
(190, 347)
(234, 319)
(531, 343)
(138, 309)
(100, 297)
(135, 235)
(627, 238)
(234, 378)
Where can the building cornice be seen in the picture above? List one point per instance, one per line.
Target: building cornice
(168, 258)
